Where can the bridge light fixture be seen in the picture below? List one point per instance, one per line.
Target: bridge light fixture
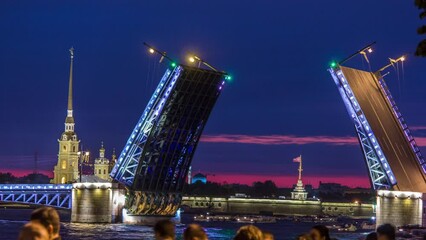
(333, 64)
(228, 77)
(191, 59)
(151, 50)
(402, 58)
(173, 64)
(370, 50)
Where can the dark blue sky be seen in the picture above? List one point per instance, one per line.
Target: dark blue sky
(277, 51)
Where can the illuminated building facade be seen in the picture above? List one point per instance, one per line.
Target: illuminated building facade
(299, 191)
(66, 170)
(101, 166)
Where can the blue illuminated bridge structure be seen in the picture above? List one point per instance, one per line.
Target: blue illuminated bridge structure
(54, 195)
(391, 154)
(156, 158)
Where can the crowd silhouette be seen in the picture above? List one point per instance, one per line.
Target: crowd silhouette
(44, 224)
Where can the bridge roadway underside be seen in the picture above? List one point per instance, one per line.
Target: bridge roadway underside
(401, 158)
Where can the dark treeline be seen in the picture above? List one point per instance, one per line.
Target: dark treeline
(421, 48)
(6, 178)
(258, 189)
(268, 189)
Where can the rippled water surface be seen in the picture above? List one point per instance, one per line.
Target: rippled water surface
(13, 220)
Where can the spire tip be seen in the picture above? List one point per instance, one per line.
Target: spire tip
(72, 52)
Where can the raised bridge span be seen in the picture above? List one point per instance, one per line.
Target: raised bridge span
(156, 158)
(392, 156)
(394, 162)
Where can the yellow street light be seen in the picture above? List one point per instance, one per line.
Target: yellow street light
(191, 59)
(151, 50)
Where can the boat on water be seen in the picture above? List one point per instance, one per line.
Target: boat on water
(347, 228)
(213, 218)
(368, 226)
(343, 228)
(202, 218)
(315, 219)
(255, 219)
(236, 219)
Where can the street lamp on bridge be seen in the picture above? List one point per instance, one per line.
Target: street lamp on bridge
(82, 156)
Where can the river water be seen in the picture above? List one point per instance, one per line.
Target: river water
(12, 220)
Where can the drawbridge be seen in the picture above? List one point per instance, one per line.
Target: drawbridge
(156, 158)
(391, 154)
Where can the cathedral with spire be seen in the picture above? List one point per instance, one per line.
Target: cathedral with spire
(66, 170)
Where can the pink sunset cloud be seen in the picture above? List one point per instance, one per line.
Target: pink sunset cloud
(278, 139)
(417, 128)
(288, 139)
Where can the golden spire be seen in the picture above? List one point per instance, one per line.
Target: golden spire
(69, 121)
(70, 81)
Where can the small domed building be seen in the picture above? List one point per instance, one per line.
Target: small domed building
(101, 168)
(199, 178)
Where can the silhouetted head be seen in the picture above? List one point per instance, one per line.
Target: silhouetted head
(319, 232)
(49, 218)
(249, 232)
(371, 236)
(304, 237)
(164, 230)
(33, 231)
(194, 232)
(386, 232)
(268, 235)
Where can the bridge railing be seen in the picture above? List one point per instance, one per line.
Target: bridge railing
(35, 187)
(402, 123)
(54, 195)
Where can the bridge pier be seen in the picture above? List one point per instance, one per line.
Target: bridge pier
(399, 208)
(97, 203)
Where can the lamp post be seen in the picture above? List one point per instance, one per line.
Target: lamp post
(81, 157)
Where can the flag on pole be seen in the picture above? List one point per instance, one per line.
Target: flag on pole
(297, 159)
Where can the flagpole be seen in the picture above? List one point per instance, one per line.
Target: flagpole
(300, 168)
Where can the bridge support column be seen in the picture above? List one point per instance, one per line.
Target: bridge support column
(399, 208)
(97, 203)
